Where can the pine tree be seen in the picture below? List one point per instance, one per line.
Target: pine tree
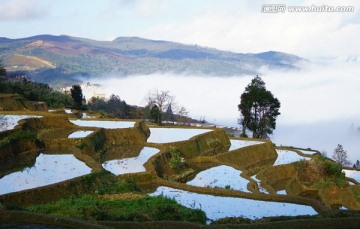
(155, 114)
(77, 96)
(357, 165)
(340, 155)
(169, 115)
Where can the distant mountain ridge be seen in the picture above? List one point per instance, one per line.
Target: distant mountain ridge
(60, 59)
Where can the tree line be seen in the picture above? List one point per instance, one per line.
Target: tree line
(160, 108)
(33, 91)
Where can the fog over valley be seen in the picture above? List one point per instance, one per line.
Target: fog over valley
(319, 104)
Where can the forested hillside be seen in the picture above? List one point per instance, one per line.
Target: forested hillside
(60, 60)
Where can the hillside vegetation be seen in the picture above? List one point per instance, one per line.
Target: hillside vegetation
(61, 59)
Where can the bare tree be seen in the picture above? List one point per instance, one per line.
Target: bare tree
(166, 105)
(161, 99)
(340, 155)
(182, 115)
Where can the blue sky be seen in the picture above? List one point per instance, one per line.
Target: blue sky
(228, 24)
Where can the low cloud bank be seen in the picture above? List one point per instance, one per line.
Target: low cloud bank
(318, 104)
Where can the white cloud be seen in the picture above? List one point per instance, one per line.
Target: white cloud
(245, 29)
(21, 10)
(318, 104)
(135, 9)
(319, 92)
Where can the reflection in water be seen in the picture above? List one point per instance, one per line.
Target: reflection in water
(261, 188)
(165, 135)
(48, 169)
(287, 157)
(103, 124)
(222, 176)
(80, 134)
(217, 207)
(8, 122)
(308, 152)
(237, 144)
(352, 174)
(130, 165)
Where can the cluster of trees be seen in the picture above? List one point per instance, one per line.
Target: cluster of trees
(113, 107)
(34, 91)
(161, 106)
(340, 156)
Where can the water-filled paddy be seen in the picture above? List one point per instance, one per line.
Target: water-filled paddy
(308, 152)
(48, 169)
(261, 189)
(217, 207)
(8, 122)
(84, 115)
(80, 134)
(222, 177)
(103, 124)
(287, 157)
(352, 174)
(166, 135)
(130, 165)
(237, 144)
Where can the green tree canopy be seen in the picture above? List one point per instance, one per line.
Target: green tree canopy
(77, 96)
(258, 109)
(155, 114)
(114, 107)
(2, 69)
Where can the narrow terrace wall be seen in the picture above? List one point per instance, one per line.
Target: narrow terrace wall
(89, 145)
(251, 158)
(13, 102)
(201, 145)
(277, 176)
(20, 151)
(127, 136)
(317, 205)
(54, 192)
(192, 148)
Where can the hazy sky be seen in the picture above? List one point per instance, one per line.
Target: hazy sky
(228, 24)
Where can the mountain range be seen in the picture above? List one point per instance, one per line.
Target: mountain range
(61, 60)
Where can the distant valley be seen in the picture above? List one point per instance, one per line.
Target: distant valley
(62, 60)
